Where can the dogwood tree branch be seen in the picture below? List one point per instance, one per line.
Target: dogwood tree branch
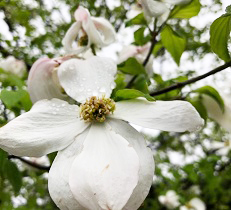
(35, 165)
(190, 81)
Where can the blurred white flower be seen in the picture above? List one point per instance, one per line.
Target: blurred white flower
(215, 112)
(222, 148)
(44, 160)
(135, 10)
(170, 200)
(88, 30)
(194, 204)
(14, 66)
(138, 52)
(195, 189)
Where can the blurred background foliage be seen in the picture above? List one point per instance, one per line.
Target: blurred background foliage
(36, 28)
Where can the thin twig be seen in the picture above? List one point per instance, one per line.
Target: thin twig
(35, 165)
(190, 81)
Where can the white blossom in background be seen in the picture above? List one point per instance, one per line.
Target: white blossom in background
(195, 189)
(215, 112)
(138, 52)
(44, 160)
(170, 200)
(13, 65)
(159, 9)
(222, 148)
(89, 30)
(102, 163)
(194, 204)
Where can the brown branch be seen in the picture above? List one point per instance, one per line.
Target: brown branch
(35, 165)
(190, 81)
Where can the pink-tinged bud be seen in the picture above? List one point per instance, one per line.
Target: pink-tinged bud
(43, 82)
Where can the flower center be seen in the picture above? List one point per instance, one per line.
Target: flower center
(83, 41)
(96, 109)
(189, 206)
(227, 143)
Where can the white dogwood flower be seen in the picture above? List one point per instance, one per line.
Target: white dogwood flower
(138, 52)
(194, 204)
(102, 163)
(160, 9)
(89, 30)
(170, 200)
(14, 66)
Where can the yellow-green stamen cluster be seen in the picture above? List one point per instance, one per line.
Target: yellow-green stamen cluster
(83, 41)
(227, 143)
(96, 109)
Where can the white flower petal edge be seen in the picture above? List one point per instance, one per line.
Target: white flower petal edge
(40, 81)
(58, 181)
(49, 126)
(70, 37)
(105, 30)
(146, 171)
(178, 116)
(105, 173)
(82, 79)
(153, 8)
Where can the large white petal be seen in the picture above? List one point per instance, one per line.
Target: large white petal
(40, 81)
(58, 181)
(105, 173)
(49, 126)
(82, 79)
(146, 170)
(153, 8)
(69, 40)
(178, 116)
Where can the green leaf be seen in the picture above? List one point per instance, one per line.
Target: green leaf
(196, 102)
(3, 159)
(140, 38)
(219, 35)
(13, 175)
(228, 9)
(157, 48)
(141, 84)
(11, 98)
(212, 92)
(186, 10)
(137, 20)
(131, 66)
(173, 43)
(126, 94)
